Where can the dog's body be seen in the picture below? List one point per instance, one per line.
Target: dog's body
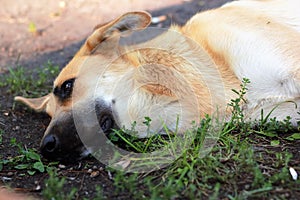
(184, 73)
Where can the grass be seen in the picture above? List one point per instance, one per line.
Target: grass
(1, 135)
(232, 170)
(20, 81)
(248, 161)
(54, 187)
(27, 159)
(1, 140)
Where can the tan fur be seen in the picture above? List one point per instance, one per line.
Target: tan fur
(188, 71)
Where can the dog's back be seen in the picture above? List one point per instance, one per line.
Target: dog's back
(282, 11)
(258, 40)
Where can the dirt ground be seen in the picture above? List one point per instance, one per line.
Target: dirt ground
(36, 27)
(35, 31)
(41, 29)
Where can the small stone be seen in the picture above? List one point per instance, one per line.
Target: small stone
(4, 178)
(9, 174)
(109, 175)
(79, 165)
(94, 174)
(293, 173)
(38, 188)
(71, 178)
(61, 166)
(90, 171)
(247, 187)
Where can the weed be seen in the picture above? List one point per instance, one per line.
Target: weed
(1, 136)
(28, 159)
(32, 28)
(129, 183)
(29, 83)
(127, 139)
(235, 104)
(293, 137)
(54, 187)
(99, 193)
(16, 80)
(168, 190)
(49, 71)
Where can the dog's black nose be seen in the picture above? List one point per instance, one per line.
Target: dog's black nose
(49, 146)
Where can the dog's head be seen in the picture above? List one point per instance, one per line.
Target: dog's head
(61, 140)
(118, 85)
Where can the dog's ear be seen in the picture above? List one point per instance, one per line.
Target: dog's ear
(128, 22)
(37, 104)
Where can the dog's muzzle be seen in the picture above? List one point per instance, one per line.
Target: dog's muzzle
(62, 142)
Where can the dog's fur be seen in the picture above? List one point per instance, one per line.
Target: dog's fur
(185, 72)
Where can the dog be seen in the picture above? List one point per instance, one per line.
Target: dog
(176, 77)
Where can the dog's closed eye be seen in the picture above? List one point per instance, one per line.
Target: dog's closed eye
(65, 91)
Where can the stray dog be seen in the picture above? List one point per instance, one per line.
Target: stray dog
(178, 76)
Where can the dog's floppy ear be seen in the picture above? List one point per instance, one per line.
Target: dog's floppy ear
(37, 104)
(128, 22)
